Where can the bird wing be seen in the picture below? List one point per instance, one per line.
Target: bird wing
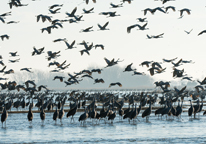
(99, 26)
(107, 61)
(91, 9)
(105, 25)
(179, 62)
(74, 10)
(204, 31)
(73, 43)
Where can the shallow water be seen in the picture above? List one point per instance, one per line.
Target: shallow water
(19, 130)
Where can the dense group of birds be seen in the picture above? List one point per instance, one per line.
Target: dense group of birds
(111, 102)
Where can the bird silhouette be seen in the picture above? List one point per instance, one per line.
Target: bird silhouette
(103, 27)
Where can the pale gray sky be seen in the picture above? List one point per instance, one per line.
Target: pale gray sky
(133, 48)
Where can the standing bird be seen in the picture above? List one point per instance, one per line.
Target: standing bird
(42, 115)
(196, 108)
(30, 114)
(83, 116)
(4, 116)
(55, 115)
(147, 112)
(61, 113)
(191, 109)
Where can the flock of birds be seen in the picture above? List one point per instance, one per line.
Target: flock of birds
(110, 102)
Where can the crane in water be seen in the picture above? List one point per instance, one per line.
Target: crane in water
(30, 114)
(4, 116)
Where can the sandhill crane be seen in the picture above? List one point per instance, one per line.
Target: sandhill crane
(166, 60)
(202, 82)
(147, 112)
(48, 29)
(2, 19)
(89, 29)
(113, 14)
(30, 82)
(96, 70)
(2, 70)
(98, 81)
(44, 18)
(42, 115)
(9, 71)
(204, 31)
(116, 6)
(187, 78)
(59, 40)
(42, 87)
(4, 36)
(72, 14)
(142, 27)
(88, 11)
(138, 73)
(37, 51)
(131, 27)
(116, 83)
(103, 27)
(142, 19)
(78, 18)
(61, 113)
(164, 1)
(11, 22)
(70, 46)
(158, 36)
(188, 32)
(186, 10)
(30, 114)
(99, 45)
(159, 9)
(196, 108)
(87, 1)
(148, 9)
(146, 63)
(170, 7)
(151, 70)
(54, 11)
(55, 5)
(52, 55)
(112, 62)
(56, 115)
(4, 116)
(83, 116)
(13, 61)
(191, 109)
(177, 64)
(128, 68)
(5, 14)
(84, 51)
(86, 75)
(26, 69)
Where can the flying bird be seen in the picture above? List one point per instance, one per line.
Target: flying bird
(117, 83)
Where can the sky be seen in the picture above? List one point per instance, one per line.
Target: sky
(132, 48)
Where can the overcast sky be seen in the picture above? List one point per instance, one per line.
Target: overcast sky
(132, 48)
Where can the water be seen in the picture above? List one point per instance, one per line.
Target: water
(19, 130)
